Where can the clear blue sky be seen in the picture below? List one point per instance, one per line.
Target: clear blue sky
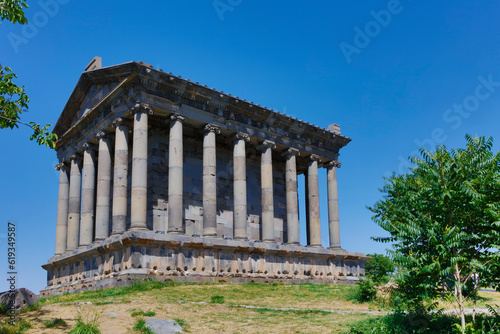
(396, 85)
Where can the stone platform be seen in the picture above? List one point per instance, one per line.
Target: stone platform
(134, 255)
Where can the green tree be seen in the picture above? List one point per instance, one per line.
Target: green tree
(443, 218)
(13, 99)
(379, 267)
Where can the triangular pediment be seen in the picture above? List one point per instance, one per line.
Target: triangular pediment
(95, 94)
(92, 88)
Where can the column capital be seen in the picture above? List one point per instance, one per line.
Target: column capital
(141, 107)
(242, 135)
(267, 144)
(88, 146)
(211, 128)
(333, 163)
(75, 157)
(61, 165)
(177, 117)
(315, 157)
(102, 135)
(120, 121)
(290, 152)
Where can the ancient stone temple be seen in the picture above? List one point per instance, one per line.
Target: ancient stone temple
(164, 178)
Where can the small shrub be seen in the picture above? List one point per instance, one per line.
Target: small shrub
(217, 299)
(3, 309)
(149, 314)
(54, 323)
(30, 308)
(140, 326)
(365, 291)
(82, 328)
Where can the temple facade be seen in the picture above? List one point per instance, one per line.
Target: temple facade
(164, 178)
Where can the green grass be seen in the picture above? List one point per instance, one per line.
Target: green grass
(183, 324)
(269, 295)
(19, 327)
(54, 323)
(87, 320)
(217, 299)
(140, 326)
(82, 328)
(136, 313)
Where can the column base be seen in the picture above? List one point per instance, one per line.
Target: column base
(176, 231)
(210, 232)
(138, 228)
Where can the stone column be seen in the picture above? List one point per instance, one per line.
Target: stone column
(88, 195)
(313, 192)
(292, 203)
(175, 172)
(266, 170)
(103, 187)
(62, 209)
(240, 186)
(75, 183)
(333, 205)
(138, 210)
(120, 178)
(209, 181)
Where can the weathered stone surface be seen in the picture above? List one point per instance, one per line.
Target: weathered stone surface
(145, 254)
(19, 298)
(163, 326)
(196, 185)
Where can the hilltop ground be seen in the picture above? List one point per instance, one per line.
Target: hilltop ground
(214, 308)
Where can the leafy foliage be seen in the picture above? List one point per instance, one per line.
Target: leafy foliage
(13, 99)
(444, 219)
(13, 11)
(364, 292)
(424, 322)
(379, 267)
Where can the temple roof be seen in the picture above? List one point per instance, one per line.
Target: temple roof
(104, 87)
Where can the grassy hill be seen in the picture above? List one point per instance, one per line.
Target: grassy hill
(207, 308)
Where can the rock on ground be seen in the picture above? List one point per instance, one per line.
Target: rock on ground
(21, 297)
(162, 326)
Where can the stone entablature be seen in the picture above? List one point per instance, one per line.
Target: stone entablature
(145, 151)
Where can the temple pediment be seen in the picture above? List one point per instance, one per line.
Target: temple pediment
(106, 93)
(92, 88)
